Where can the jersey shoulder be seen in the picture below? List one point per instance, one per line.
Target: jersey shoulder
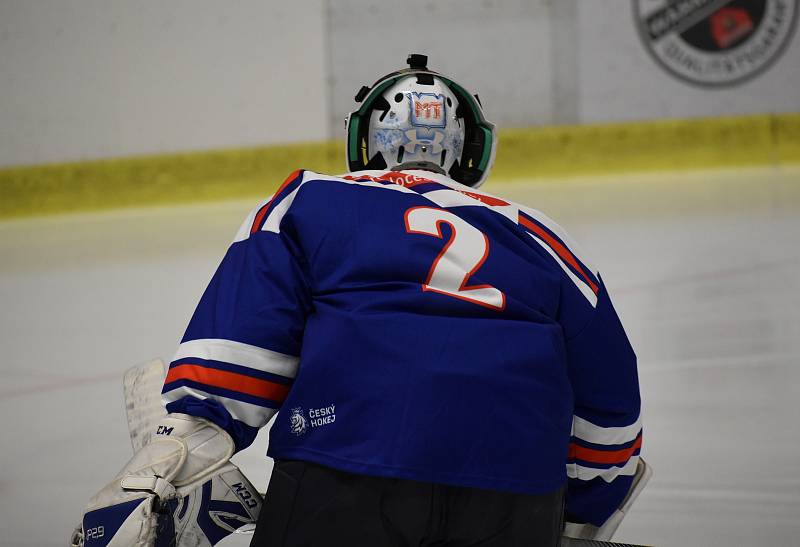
(439, 191)
(269, 212)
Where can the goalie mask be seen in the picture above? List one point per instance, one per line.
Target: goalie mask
(416, 118)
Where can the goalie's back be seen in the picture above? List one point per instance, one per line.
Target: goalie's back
(406, 325)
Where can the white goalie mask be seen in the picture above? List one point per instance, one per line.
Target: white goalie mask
(418, 119)
(420, 129)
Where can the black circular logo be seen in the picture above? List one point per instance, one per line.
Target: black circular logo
(715, 43)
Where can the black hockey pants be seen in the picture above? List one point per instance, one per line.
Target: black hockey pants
(308, 505)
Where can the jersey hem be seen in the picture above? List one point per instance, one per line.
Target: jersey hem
(420, 475)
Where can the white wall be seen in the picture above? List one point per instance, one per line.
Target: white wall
(94, 78)
(91, 78)
(499, 49)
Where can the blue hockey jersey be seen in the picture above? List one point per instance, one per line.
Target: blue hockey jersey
(408, 326)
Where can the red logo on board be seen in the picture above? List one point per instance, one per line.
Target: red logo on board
(729, 25)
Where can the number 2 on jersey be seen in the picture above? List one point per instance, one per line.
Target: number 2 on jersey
(462, 255)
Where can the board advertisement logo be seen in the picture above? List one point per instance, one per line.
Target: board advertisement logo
(715, 43)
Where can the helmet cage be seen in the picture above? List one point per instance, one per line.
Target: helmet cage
(479, 148)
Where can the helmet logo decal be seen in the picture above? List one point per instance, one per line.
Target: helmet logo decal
(427, 110)
(432, 144)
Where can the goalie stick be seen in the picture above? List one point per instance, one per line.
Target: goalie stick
(572, 542)
(604, 533)
(143, 409)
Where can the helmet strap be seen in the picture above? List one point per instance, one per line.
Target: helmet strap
(422, 165)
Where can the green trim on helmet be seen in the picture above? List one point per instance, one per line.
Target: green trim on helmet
(476, 108)
(376, 92)
(354, 124)
(352, 138)
(487, 150)
(481, 122)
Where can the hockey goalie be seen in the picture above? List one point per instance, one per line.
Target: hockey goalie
(444, 366)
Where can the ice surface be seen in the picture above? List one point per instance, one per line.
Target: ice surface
(702, 268)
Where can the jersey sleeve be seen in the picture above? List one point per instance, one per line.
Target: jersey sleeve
(240, 353)
(606, 435)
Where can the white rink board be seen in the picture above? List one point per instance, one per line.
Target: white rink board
(702, 268)
(89, 78)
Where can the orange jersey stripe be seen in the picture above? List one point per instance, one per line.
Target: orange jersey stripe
(560, 250)
(263, 211)
(604, 456)
(488, 200)
(229, 380)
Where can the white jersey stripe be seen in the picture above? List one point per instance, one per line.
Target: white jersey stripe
(236, 353)
(585, 289)
(551, 225)
(252, 415)
(454, 198)
(244, 229)
(273, 221)
(587, 431)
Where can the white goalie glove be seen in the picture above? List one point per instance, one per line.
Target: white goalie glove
(179, 489)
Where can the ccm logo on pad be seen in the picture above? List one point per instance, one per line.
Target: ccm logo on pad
(245, 495)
